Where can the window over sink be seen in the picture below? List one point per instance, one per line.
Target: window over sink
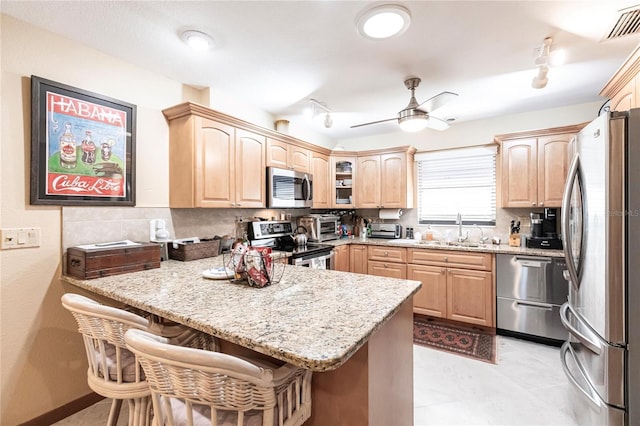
(457, 181)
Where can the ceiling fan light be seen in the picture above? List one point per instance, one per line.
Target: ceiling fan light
(413, 124)
(383, 22)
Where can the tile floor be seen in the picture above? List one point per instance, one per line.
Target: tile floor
(526, 387)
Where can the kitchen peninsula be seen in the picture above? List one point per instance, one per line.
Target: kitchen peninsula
(354, 331)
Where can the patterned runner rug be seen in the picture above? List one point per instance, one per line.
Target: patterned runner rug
(468, 341)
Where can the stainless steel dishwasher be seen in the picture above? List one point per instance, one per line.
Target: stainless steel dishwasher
(530, 291)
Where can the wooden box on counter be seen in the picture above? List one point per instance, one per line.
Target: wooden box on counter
(194, 251)
(101, 262)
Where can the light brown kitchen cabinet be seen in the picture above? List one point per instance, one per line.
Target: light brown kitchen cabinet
(623, 88)
(358, 261)
(287, 156)
(341, 258)
(455, 285)
(320, 169)
(534, 166)
(388, 262)
(213, 164)
(385, 180)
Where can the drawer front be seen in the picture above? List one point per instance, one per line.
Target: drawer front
(387, 269)
(450, 258)
(536, 319)
(388, 254)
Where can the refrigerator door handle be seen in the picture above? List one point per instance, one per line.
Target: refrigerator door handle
(591, 392)
(566, 201)
(593, 345)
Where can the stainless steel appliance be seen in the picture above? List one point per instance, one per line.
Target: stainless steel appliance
(386, 230)
(530, 291)
(320, 227)
(278, 235)
(544, 233)
(288, 188)
(601, 231)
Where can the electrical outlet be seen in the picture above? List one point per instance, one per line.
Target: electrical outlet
(13, 238)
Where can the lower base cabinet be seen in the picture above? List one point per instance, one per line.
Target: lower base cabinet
(341, 258)
(455, 293)
(358, 258)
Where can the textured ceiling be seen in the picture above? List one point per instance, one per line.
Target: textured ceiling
(278, 55)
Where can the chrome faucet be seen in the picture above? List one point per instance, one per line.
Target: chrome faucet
(461, 239)
(483, 239)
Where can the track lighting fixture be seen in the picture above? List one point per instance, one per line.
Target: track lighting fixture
(318, 108)
(546, 55)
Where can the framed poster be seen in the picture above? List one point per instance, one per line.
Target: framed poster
(82, 147)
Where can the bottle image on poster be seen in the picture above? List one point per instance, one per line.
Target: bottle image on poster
(68, 149)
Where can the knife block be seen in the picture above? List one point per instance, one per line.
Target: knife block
(514, 240)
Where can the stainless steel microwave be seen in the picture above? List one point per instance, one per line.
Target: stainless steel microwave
(288, 188)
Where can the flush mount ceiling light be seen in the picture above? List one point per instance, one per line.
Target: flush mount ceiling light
(383, 21)
(545, 56)
(197, 40)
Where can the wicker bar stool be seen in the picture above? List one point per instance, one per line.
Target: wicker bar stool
(195, 387)
(114, 371)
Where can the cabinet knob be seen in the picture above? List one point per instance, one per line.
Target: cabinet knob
(533, 204)
(443, 270)
(238, 204)
(541, 204)
(385, 265)
(449, 271)
(446, 259)
(386, 253)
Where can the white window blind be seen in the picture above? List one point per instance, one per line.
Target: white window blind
(457, 181)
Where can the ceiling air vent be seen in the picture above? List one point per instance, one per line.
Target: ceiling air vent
(628, 23)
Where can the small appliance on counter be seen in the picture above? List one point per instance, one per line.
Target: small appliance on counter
(386, 230)
(320, 227)
(544, 233)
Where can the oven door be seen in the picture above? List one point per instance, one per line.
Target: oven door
(289, 189)
(314, 261)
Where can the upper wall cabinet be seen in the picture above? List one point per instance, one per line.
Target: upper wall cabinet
(288, 156)
(623, 89)
(320, 170)
(385, 179)
(534, 166)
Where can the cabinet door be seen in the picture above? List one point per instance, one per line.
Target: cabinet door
(368, 182)
(215, 166)
(470, 296)
(358, 262)
(321, 181)
(624, 100)
(299, 159)
(393, 180)
(431, 299)
(387, 269)
(342, 182)
(553, 166)
(277, 154)
(519, 173)
(342, 258)
(250, 175)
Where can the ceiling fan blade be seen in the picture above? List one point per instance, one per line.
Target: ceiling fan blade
(373, 122)
(436, 123)
(437, 101)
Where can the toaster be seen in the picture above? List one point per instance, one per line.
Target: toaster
(386, 230)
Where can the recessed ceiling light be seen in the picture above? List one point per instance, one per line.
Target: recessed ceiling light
(384, 21)
(197, 40)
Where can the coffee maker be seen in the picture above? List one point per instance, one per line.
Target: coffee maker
(544, 233)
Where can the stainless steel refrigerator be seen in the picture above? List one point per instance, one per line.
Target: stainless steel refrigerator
(601, 232)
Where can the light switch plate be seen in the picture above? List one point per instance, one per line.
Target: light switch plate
(13, 238)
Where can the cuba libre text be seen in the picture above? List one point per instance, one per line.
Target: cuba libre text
(62, 184)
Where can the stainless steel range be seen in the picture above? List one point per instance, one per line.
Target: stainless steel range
(278, 234)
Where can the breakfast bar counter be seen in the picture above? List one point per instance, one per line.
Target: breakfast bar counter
(354, 330)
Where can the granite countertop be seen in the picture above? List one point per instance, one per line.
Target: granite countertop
(315, 319)
(487, 248)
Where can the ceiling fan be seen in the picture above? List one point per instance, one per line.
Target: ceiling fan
(415, 116)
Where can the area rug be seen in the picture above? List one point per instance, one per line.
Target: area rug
(469, 341)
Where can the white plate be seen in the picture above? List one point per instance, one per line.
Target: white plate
(220, 273)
